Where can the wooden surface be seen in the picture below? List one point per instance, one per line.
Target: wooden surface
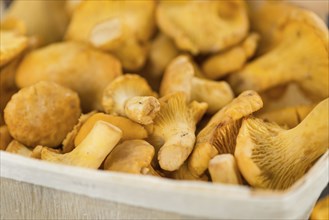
(107, 189)
(21, 200)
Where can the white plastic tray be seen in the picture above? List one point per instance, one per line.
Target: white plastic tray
(187, 198)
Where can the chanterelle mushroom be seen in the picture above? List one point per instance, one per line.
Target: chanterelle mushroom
(18, 148)
(92, 151)
(130, 95)
(173, 130)
(5, 137)
(131, 156)
(42, 114)
(180, 76)
(289, 116)
(77, 66)
(231, 60)
(219, 135)
(203, 26)
(274, 158)
(121, 27)
(299, 53)
(223, 169)
(11, 45)
(130, 130)
(46, 20)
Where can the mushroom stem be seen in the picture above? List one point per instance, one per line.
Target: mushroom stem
(92, 151)
(216, 94)
(271, 157)
(177, 148)
(223, 169)
(142, 109)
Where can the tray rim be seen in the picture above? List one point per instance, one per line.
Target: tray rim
(18, 168)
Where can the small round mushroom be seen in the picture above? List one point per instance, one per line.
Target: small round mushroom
(174, 127)
(119, 27)
(181, 76)
(299, 53)
(271, 157)
(74, 65)
(132, 156)
(219, 135)
(203, 26)
(130, 95)
(42, 114)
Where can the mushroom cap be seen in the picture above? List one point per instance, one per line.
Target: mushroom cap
(301, 44)
(42, 114)
(121, 27)
(11, 45)
(288, 116)
(203, 26)
(219, 135)
(46, 20)
(76, 66)
(274, 158)
(121, 89)
(130, 156)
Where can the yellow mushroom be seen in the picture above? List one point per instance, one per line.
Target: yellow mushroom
(289, 116)
(219, 135)
(76, 66)
(183, 173)
(223, 169)
(203, 26)
(300, 54)
(92, 151)
(36, 152)
(321, 209)
(11, 46)
(47, 20)
(133, 156)
(173, 130)
(130, 95)
(42, 114)
(68, 143)
(142, 109)
(120, 27)
(162, 51)
(130, 130)
(18, 148)
(231, 60)
(271, 157)
(5, 137)
(7, 82)
(181, 76)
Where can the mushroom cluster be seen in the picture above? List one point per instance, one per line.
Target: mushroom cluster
(218, 91)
